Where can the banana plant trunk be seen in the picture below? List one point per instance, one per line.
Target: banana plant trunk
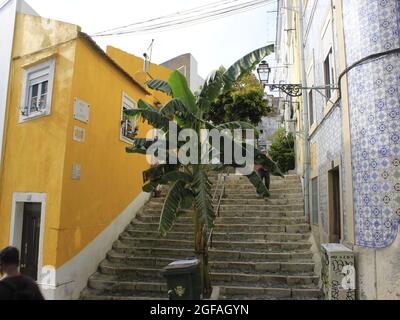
(201, 251)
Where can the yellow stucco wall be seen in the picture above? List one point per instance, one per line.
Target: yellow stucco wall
(40, 153)
(134, 66)
(110, 178)
(34, 150)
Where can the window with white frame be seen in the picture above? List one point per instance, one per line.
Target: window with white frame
(128, 123)
(37, 90)
(329, 74)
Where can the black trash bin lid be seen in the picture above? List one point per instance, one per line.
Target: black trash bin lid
(182, 265)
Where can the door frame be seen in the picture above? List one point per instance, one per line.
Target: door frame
(17, 212)
(336, 165)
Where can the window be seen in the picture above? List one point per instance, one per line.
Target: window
(328, 72)
(311, 107)
(128, 124)
(37, 90)
(314, 199)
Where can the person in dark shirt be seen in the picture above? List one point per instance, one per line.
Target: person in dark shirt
(15, 286)
(264, 174)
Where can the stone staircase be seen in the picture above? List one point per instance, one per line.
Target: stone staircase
(261, 249)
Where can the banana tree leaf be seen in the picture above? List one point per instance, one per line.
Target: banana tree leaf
(154, 118)
(171, 207)
(203, 104)
(256, 181)
(159, 85)
(202, 196)
(157, 172)
(180, 89)
(175, 176)
(187, 200)
(245, 65)
(146, 106)
(212, 87)
(140, 145)
(177, 108)
(151, 186)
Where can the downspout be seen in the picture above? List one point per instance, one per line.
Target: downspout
(306, 152)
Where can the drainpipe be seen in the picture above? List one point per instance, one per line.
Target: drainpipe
(306, 153)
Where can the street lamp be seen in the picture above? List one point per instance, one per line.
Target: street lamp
(263, 71)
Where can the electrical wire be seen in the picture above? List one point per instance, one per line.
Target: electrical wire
(186, 21)
(176, 14)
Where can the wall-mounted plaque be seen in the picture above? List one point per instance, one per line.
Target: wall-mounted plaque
(79, 134)
(76, 171)
(81, 110)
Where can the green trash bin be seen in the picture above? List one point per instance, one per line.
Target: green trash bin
(183, 280)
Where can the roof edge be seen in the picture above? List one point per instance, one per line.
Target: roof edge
(95, 46)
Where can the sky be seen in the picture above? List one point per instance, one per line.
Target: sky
(214, 43)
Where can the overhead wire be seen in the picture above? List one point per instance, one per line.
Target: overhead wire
(191, 20)
(175, 14)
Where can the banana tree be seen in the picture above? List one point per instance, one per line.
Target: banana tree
(189, 185)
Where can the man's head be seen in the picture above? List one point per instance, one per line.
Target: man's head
(9, 260)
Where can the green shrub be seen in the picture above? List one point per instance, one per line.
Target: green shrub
(282, 150)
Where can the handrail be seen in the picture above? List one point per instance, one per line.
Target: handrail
(221, 179)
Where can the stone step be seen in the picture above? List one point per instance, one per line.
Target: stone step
(248, 188)
(262, 245)
(263, 205)
(261, 213)
(275, 184)
(92, 294)
(134, 273)
(239, 178)
(236, 199)
(214, 254)
(220, 235)
(273, 193)
(253, 293)
(264, 279)
(240, 213)
(251, 220)
(261, 267)
(250, 195)
(247, 267)
(296, 228)
(260, 248)
(257, 201)
(107, 282)
(266, 207)
(253, 196)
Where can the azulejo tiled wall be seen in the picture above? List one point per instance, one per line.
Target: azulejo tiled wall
(328, 140)
(373, 26)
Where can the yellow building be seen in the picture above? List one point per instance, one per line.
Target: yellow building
(67, 186)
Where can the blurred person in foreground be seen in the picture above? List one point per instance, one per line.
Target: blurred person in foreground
(14, 285)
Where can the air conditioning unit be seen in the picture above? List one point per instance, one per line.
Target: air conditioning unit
(338, 273)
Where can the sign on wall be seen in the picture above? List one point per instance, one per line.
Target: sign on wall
(81, 110)
(79, 134)
(76, 171)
